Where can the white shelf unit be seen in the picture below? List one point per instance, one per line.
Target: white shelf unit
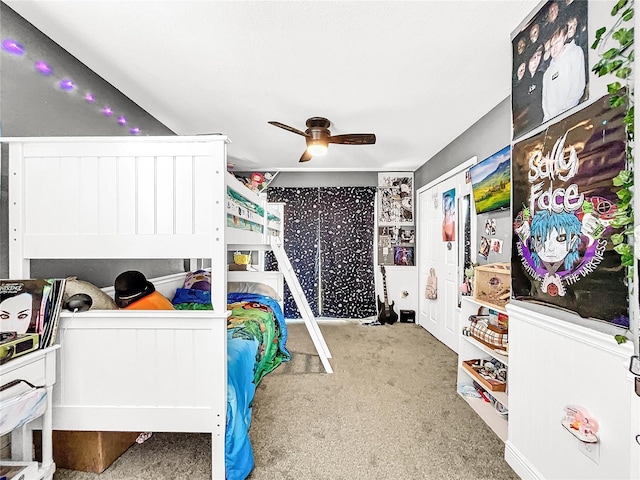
(469, 349)
(38, 368)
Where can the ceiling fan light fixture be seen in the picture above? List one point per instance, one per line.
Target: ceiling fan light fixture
(317, 147)
(318, 137)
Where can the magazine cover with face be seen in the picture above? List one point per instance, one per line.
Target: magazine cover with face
(564, 203)
(23, 305)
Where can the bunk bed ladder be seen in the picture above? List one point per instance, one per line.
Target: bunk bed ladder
(301, 302)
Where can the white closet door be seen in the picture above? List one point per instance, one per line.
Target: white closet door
(441, 317)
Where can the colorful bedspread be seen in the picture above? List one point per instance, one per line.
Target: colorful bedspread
(256, 344)
(257, 317)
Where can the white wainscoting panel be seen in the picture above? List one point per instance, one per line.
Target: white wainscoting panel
(553, 363)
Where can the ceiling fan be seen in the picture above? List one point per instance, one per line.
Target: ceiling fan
(319, 137)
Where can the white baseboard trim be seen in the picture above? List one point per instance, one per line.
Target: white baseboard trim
(520, 464)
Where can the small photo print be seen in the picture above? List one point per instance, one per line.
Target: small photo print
(403, 256)
(490, 226)
(485, 247)
(384, 241)
(496, 245)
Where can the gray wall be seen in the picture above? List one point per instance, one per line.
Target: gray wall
(33, 105)
(487, 136)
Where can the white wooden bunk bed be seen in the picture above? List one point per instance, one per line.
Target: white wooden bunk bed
(140, 198)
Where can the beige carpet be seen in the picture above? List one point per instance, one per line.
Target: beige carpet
(390, 411)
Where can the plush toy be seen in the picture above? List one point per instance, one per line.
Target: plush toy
(200, 280)
(256, 180)
(99, 299)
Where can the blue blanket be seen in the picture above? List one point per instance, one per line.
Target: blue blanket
(256, 344)
(256, 339)
(240, 390)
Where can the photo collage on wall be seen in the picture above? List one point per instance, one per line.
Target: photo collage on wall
(489, 244)
(396, 227)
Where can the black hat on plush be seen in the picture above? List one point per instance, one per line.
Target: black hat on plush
(131, 286)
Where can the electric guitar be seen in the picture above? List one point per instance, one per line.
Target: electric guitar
(386, 313)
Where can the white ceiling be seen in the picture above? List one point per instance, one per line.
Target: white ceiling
(417, 74)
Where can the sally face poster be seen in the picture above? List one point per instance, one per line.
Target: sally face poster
(563, 205)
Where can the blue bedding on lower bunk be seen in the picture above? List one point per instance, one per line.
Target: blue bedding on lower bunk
(256, 345)
(240, 390)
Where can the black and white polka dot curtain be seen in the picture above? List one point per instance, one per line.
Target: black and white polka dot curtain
(301, 225)
(328, 236)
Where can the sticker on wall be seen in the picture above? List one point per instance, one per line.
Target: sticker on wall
(564, 202)
(449, 219)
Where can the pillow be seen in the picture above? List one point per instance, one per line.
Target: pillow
(253, 287)
(100, 300)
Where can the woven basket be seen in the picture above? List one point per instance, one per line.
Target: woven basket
(489, 335)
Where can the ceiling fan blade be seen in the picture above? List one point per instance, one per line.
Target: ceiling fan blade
(353, 139)
(306, 156)
(287, 127)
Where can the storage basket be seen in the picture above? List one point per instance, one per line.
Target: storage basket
(490, 335)
(491, 384)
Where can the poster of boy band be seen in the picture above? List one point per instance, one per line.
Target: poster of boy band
(550, 64)
(563, 204)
